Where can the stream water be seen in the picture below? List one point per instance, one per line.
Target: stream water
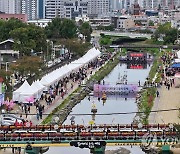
(113, 104)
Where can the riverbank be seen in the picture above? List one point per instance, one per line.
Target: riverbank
(147, 94)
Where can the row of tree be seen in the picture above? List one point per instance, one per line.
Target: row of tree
(29, 37)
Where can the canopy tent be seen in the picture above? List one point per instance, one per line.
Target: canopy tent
(27, 93)
(50, 79)
(39, 85)
(176, 65)
(177, 80)
(176, 61)
(37, 92)
(178, 54)
(17, 92)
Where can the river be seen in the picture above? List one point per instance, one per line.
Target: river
(110, 106)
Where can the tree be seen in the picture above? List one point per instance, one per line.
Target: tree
(86, 30)
(138, 22)
(53, 30)
(23, 43)
(77, 47)
(7, 26)
(27, 65)
(161, 30)
(151, 23)
(61, 28)
(29, 38)
(68, 29)
(170, 36)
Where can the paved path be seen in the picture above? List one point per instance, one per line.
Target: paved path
(167, 99)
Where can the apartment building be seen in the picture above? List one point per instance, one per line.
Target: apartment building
(75, 8)
(10, 6)
(98, 7)
(125, 22)
(54, 8)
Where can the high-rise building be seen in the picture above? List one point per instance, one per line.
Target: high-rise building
(115, 5)
(54, 8)
(98, 7)
(164, 4)
(29, 7)
(150, 4)
(75, 8)
(10, 6)
(41, 9)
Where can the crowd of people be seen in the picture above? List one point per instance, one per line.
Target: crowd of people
(62, 87)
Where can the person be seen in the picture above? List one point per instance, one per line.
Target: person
(29, 108)
(37, 115)
(139, 83)
(71, 85)
(157, 93)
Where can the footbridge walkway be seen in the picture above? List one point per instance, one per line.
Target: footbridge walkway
(94, 137)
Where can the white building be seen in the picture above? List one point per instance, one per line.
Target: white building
(75, 8)
(41, 22)
(84, 18)
(175, 24)
(143, 19)
(98, 7)
(54, 8)
(125, 22)
(10, 6)
(100, 22)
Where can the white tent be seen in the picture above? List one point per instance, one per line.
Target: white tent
(177, 80)
(176, 61)
(178, 54)
(53, 77)
(27, 93)
(37, 91)
(17, 92)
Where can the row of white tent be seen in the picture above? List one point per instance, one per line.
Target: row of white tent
(23, 93)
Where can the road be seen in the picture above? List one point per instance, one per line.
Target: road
(116, 33)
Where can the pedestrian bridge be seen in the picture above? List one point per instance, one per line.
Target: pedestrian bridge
(90, 136)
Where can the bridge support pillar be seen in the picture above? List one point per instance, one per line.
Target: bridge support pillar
(32, 150)
(165, 149)
(98, 150)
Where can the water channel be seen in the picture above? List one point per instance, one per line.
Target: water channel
(110, 106)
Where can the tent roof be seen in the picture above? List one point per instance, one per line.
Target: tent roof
(178, 54)
(24, 86)
(175, 65)
(177, 75)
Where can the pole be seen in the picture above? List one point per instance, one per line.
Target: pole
(0, 59)
(6, 66)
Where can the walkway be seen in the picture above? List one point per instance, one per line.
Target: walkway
(168, 99)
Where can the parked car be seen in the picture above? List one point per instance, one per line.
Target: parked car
(13, 116)
(9, 121)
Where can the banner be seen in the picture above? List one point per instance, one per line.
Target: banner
(128, 88)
